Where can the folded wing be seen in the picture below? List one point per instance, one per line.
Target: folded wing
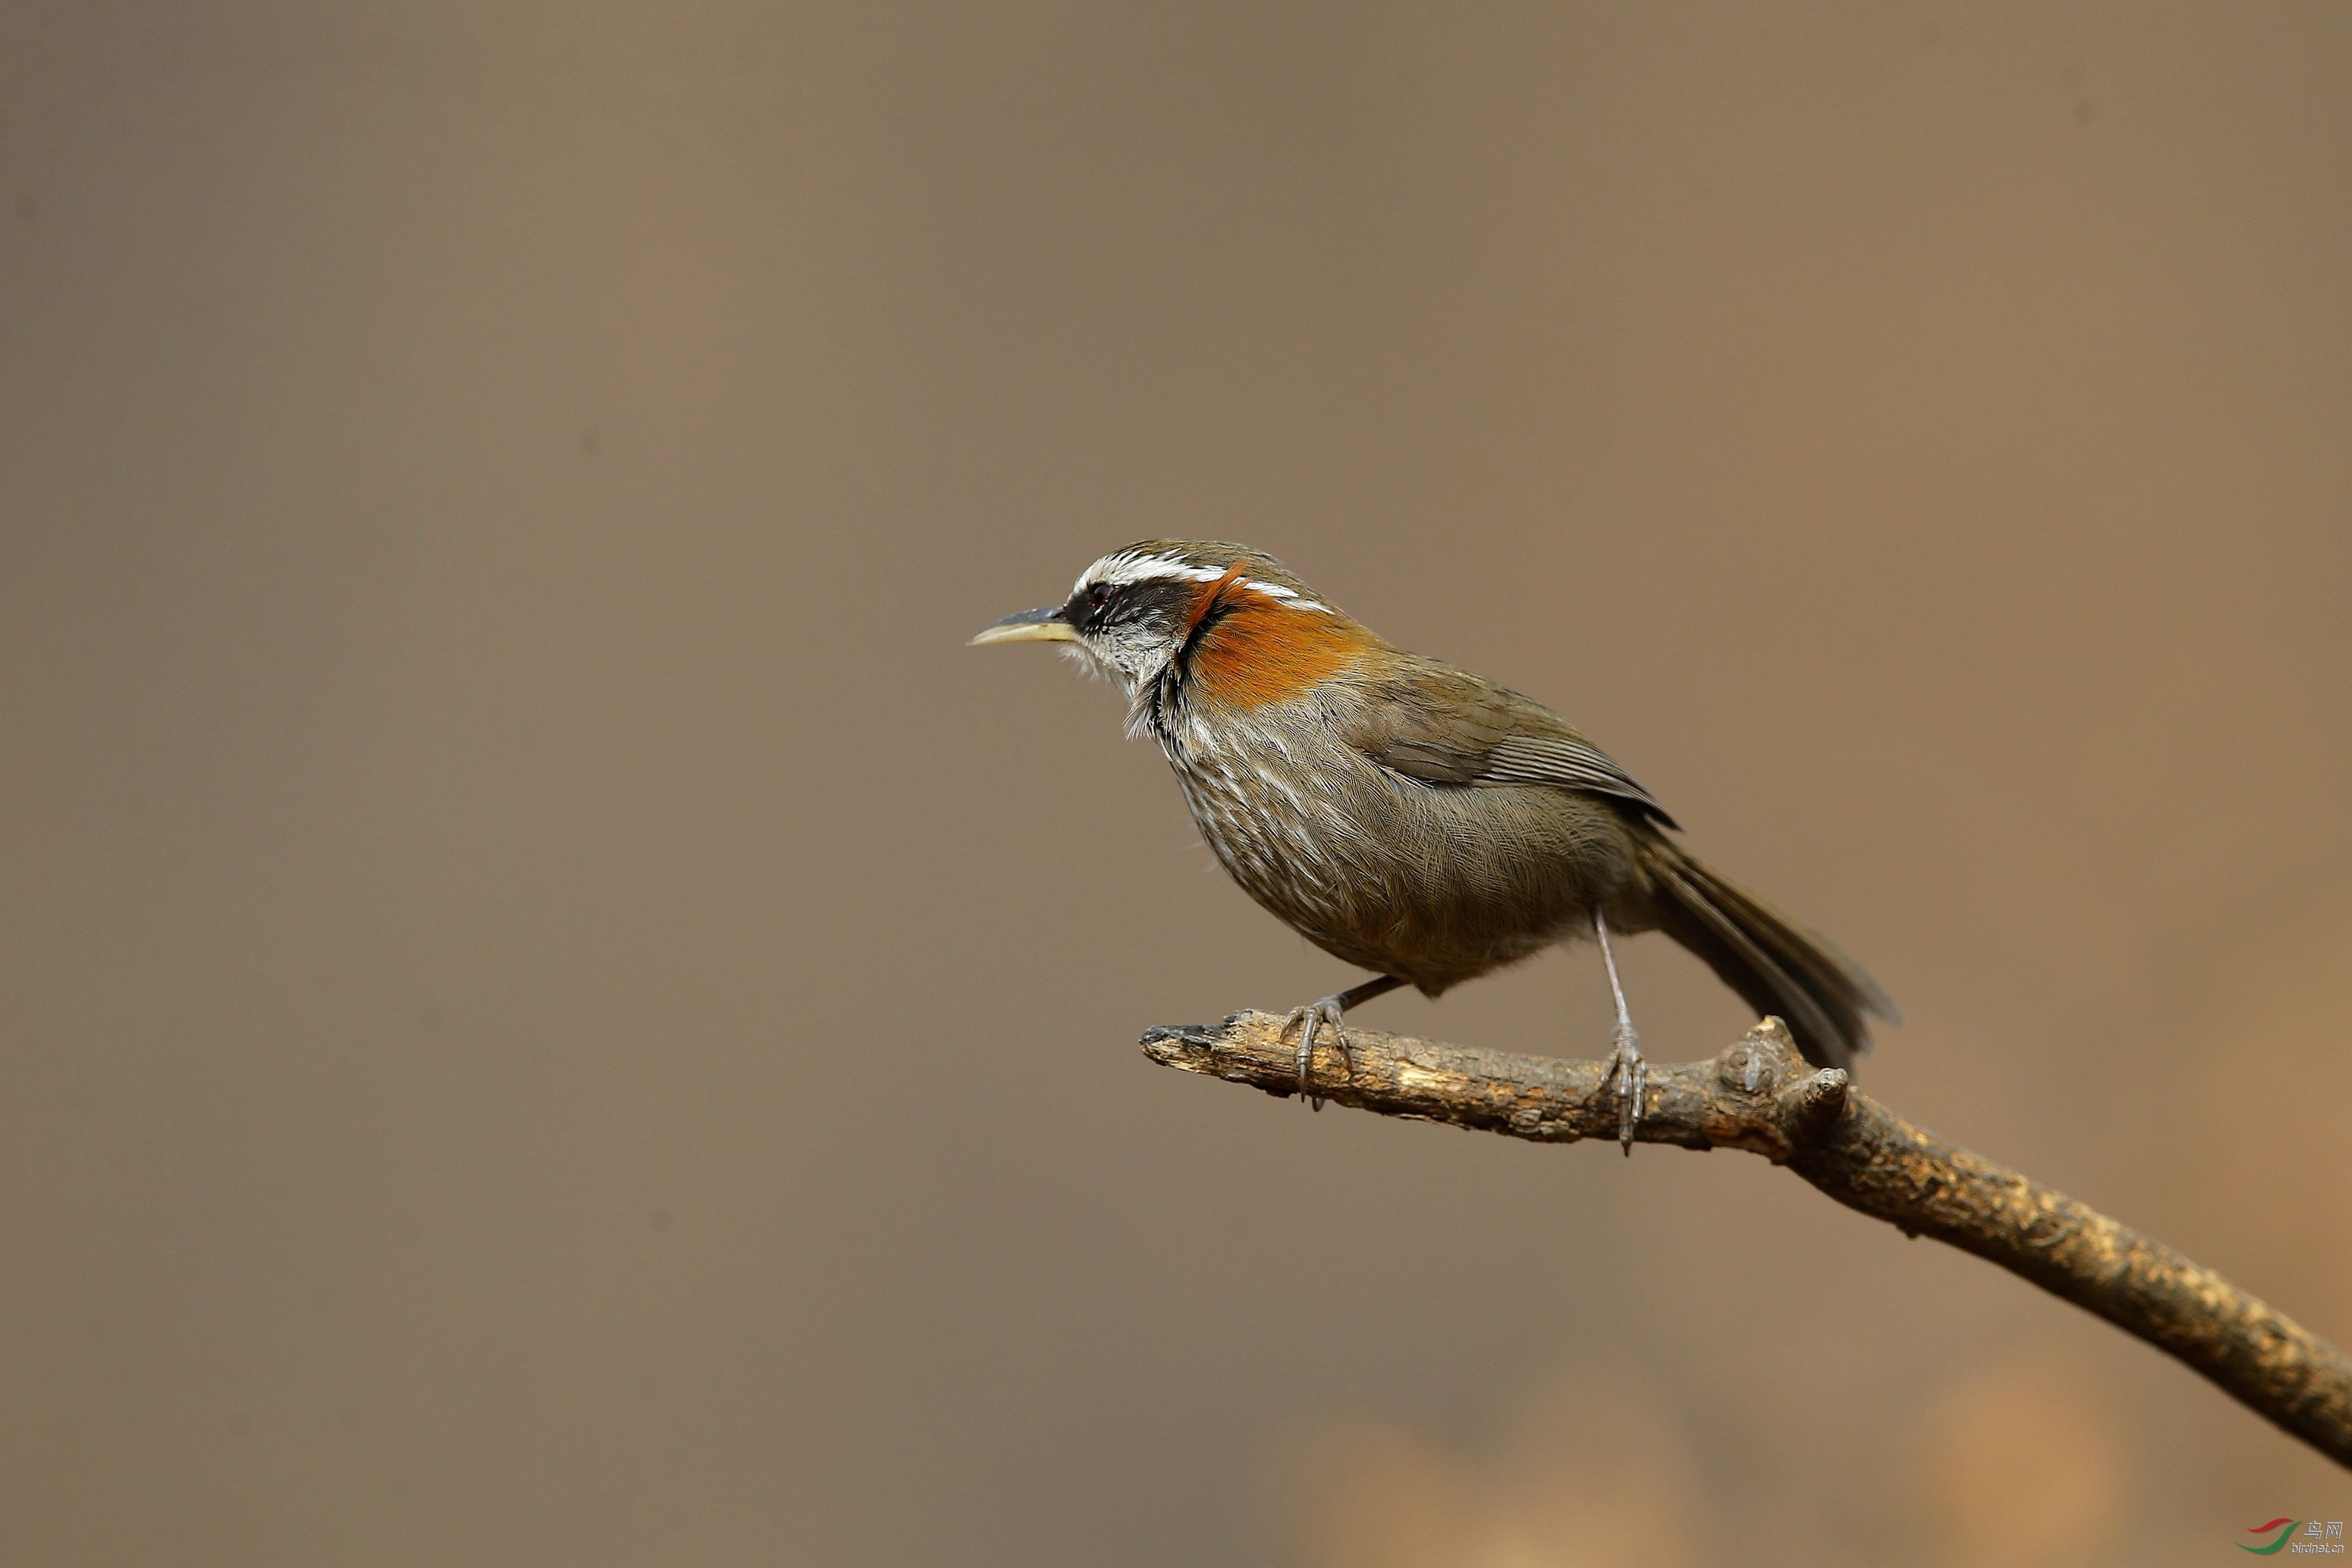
(1445, 726)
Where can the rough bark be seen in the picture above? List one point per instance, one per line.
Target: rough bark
(1761, 1096)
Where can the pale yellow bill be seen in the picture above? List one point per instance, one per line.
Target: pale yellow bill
(1029, 626)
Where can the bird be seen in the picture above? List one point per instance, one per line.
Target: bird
(1411, 818)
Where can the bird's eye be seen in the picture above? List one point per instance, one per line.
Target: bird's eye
(1099, 595)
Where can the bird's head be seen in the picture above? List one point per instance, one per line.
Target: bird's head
(1221, 616)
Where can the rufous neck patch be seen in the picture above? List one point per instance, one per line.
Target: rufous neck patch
(1204, 604)
(1259, 652)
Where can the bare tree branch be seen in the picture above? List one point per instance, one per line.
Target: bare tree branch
(1761, 1096)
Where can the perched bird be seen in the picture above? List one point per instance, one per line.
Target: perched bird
(1409, 817)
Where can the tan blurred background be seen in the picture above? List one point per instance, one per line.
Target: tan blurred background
(555, 1015)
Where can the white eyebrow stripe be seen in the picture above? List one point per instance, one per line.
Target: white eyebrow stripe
(1298, 600)
(1125, 569)
(1122, 569)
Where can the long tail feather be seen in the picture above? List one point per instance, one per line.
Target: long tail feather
(1773, 963)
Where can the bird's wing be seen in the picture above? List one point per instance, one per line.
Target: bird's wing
(1443, 725)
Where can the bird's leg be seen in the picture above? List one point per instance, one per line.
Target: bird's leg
(1329, 1010)
(1625, 1054)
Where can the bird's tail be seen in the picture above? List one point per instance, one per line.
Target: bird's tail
(1776, 966)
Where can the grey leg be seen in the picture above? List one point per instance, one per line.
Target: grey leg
(1625, 1055)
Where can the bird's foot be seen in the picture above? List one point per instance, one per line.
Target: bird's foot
(1309, 1020)
(1632, 1075)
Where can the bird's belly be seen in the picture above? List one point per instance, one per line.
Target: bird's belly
(1432, 883)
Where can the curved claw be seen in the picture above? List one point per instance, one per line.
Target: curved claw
(1308, 1019)
(1632, 1076)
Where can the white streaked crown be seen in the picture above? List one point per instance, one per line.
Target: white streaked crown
(1124, 567)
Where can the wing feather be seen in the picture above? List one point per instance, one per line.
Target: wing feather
(1441, 725)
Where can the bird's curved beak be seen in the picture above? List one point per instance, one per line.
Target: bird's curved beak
(1044, 625)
